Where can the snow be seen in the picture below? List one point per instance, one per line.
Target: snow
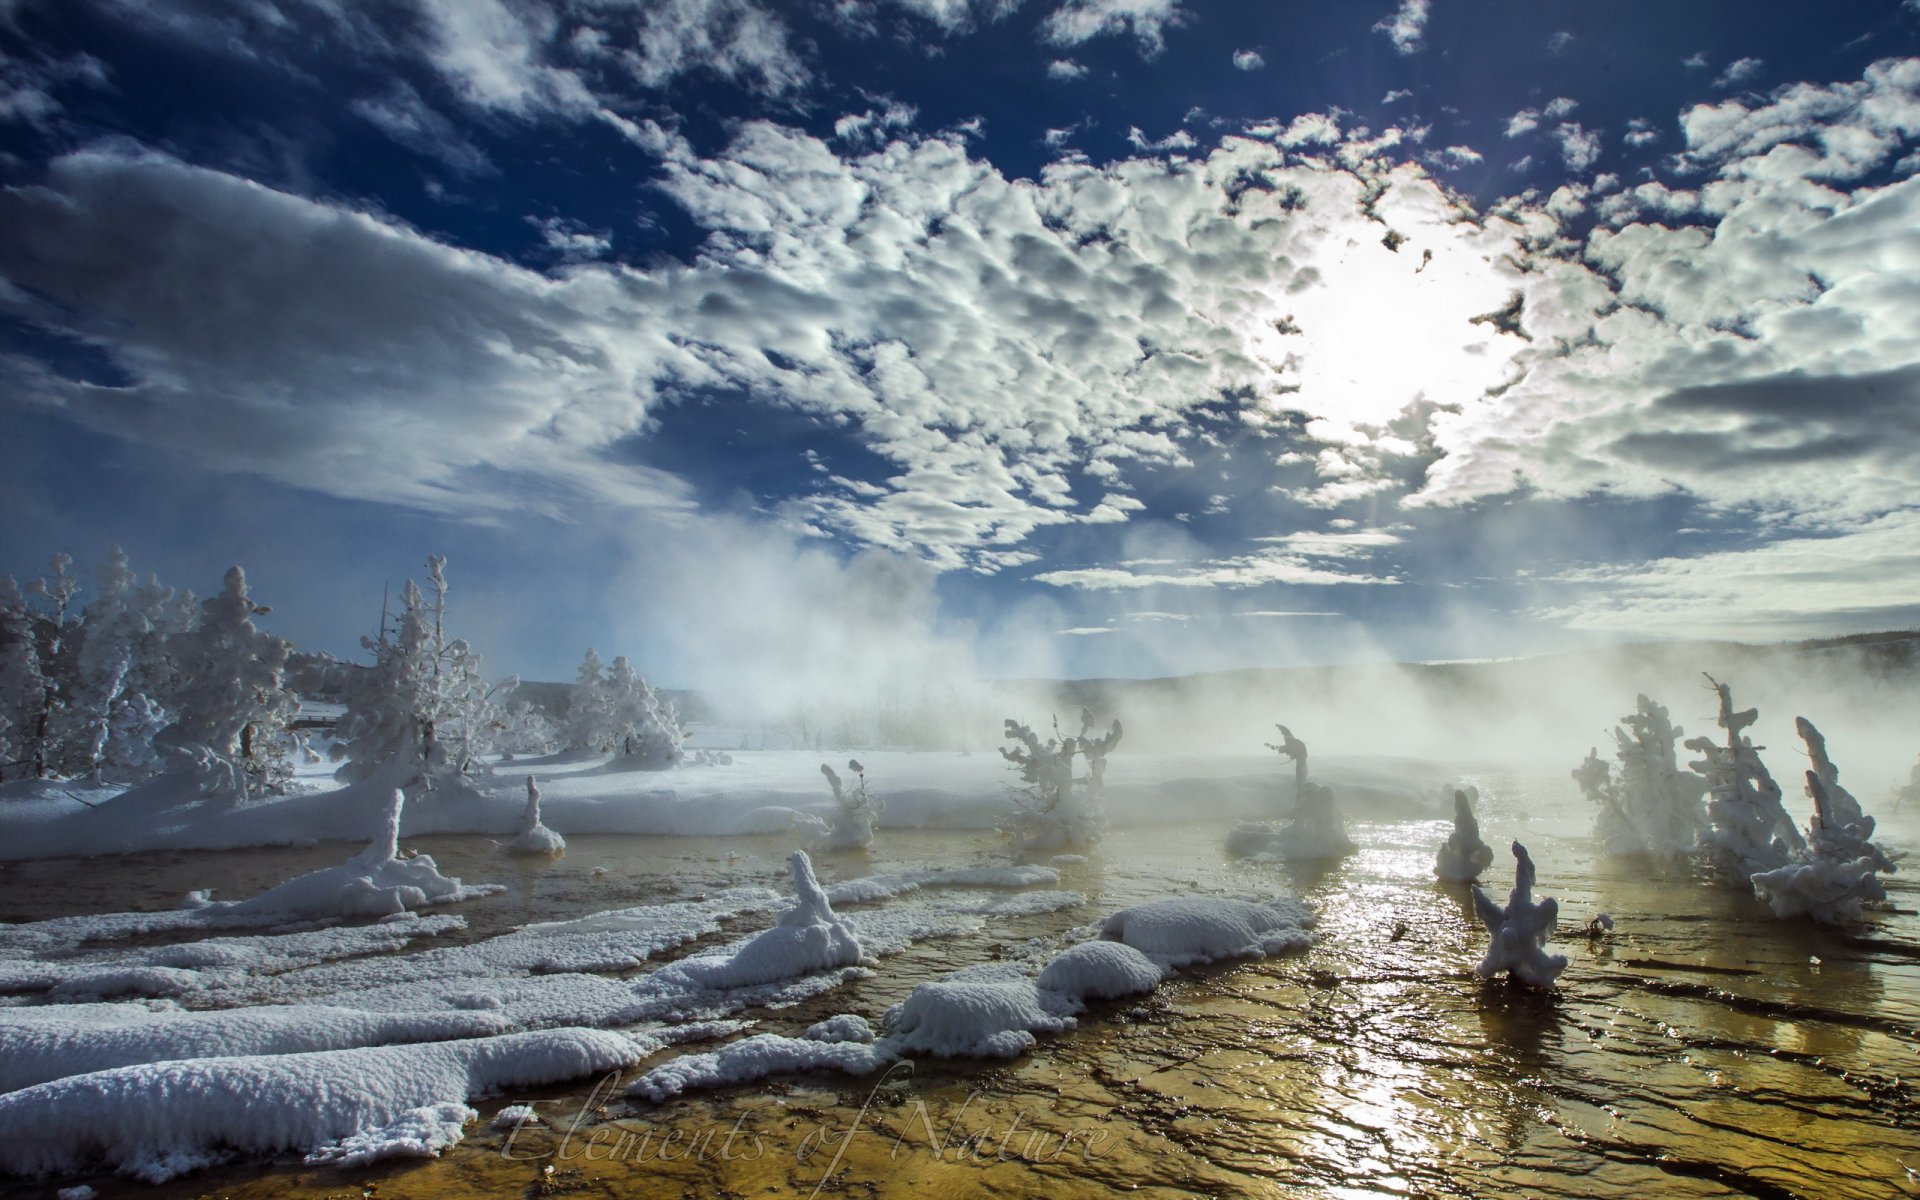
(513, 1116)
(1834, 877)
(1653, 809)
(155, 1121)
(1463, 856)
(1184, 930)
(1520, 930)
(416, 1133)
(756, 1058)
(847, 1027)
(1748, 830)
(850, 820)
(535, 838)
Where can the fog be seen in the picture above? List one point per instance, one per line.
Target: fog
(796, 646)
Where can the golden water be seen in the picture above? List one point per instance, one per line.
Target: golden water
(1704, 1050)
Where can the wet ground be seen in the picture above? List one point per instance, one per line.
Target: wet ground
(1704, 1049)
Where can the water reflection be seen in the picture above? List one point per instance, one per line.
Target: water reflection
(1701, 1051)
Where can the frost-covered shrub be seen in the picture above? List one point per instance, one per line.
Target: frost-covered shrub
(1521, 930)
(850, 825)
(1054, 809)
(1463, 856)
(1748, 829)
(1653, 809)
(1835, 876)
(1314, 831)
(420, 713)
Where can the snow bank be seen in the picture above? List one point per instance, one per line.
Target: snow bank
(159, 1120)
(535, 838)
(756, 1058)
(1198, 929)
(1463, 856)
(416, 1133)
(1100, 971)
(1520, 930)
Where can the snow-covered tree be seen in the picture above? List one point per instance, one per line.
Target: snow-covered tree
(421, 710)
(125, 679)
(524, 727)
(1653, 808)
(1748, 829)
(642, 725)
(1055, 809)
(1313, 831)
(232, 707)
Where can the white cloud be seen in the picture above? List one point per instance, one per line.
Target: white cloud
(402, 115)
(1080, 21)
(1523, 122)
(1738, 72)
(1697, 61)
(1396, 95)
(1065, 69)
(1579, 148)
(1179, 139)
(1406, 26)
(1248, 60)
(1561, 42)
(1560, 107)
(1640, 132)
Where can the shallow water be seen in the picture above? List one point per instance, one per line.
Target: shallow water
(1705, 1049)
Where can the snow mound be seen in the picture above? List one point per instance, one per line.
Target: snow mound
(1520, 930)
(535, 838)
(1198, 929)
(513, 1116)
(989, 1011)
(809, 938)
(417, 1133)
(376, 882)
(847, 1027)
(1100, 971)
(756, 1058)
(159, 1120)
(1463, 856)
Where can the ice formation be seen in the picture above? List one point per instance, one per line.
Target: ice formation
(851, 824)
(1056, 810)
(1748, 829)
(1463, 856)
(535, 838)
(1835, 876)
(809, 937)
(1653, 809)
(1520, 930)
(1315, 830)
(374, 883)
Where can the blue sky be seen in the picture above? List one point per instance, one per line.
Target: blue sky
(1076, 337)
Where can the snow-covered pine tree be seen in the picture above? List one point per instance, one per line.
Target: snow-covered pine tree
(641, 725)
(22, 689)
(1748, 829)
(233, 706)
(588, 724)
(48, 606)
(421, 709)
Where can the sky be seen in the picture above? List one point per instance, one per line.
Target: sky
(1065, 337)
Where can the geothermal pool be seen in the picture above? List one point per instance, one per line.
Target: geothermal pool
(1704, 1049)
